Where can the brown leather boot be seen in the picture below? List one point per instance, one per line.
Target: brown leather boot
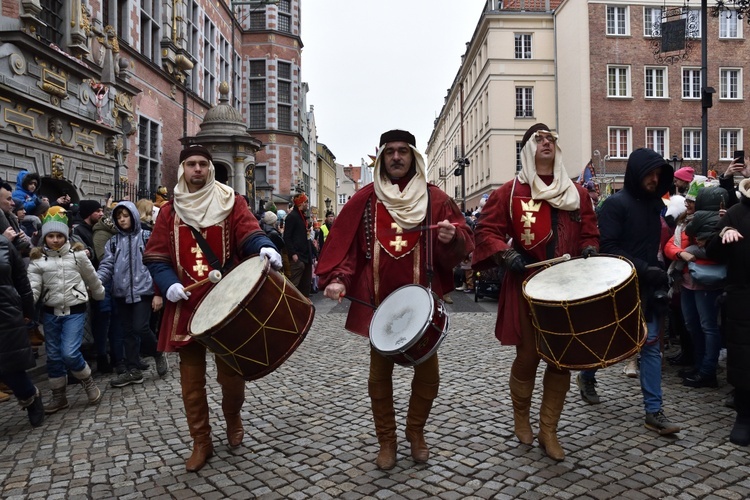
(420, 404)
(520, 394)
(193, 382)
(384, 415)
(233, 397)
(556, 386)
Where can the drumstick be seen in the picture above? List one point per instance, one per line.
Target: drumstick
(425, 228)
(358, 301)
(556, 260)
(213, 277)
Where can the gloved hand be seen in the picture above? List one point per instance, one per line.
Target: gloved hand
(514, 261)
(589, 251)
(656, 277)
(273, 257)
(177, 292)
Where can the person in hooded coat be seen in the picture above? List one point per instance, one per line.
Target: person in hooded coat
(630, 226)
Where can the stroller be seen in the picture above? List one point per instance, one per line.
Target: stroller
(487, 283)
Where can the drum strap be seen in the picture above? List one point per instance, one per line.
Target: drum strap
(552, 244)
(206, 249)
(428, 241)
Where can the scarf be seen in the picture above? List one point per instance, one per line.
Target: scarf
(408, 207)
(206, 207)
(561, 193)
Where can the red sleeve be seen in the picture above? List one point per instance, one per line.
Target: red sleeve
(589, 236)
(493, 228)
(671, 250)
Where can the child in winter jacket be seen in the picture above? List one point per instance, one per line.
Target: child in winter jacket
(133, 291)
(59, 275)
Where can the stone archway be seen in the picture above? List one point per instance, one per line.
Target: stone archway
(54, 188)
(222, 173)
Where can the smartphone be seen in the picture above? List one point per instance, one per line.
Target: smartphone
(108, 196)
(739, 156)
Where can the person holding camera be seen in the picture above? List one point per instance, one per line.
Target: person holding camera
(726, 180)
(630, 226)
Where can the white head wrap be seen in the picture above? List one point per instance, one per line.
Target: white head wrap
(206, 207)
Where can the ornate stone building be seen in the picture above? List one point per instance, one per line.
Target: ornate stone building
(97, 94)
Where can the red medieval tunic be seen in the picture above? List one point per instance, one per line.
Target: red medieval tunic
(371, 255)
(173, 242)
(529, 224)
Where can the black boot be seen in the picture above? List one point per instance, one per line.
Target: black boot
(740, 434)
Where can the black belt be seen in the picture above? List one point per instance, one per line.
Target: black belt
(76, 309)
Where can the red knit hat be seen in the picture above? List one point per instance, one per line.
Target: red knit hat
(300, 199)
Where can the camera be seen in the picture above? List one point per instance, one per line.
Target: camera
(739, 156)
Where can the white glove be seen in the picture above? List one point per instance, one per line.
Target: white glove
(273, 257)
(177, 292)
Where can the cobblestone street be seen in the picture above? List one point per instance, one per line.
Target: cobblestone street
(309, 434)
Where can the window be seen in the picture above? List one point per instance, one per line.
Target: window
(693, 29)
(150, 30)
(691, 83)
(729, 140)
(237, 81)
(285, 96)
(730, 84)
(730, 25)
(619, 142)
(656, 140)
(209, 61)
(618, 81)
(342, 199)
(148, 155)
(52, 15)
(258, 20)
(651, 22)
(656, 82)
(617, 21)
(691, 144)
(193, 42)
(257, 95)
(523, 46)
(285, 16)
(225, 61)
(524, 102)
(519, 165)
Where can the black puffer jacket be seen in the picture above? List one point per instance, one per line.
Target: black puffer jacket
(630, 221)
(735, 310)
(16, 302)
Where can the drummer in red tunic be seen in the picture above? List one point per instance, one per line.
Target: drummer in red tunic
(176, 259)
(369, 254)
(539, 215)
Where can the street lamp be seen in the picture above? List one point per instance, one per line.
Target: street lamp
(328, 204)
(675, 163)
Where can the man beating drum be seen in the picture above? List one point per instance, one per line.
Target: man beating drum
(203, 228)
(546, 215)
(370, 253)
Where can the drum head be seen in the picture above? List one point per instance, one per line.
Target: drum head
(227, 295)
(400, 318)
(578, 278)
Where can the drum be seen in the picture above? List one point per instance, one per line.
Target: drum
(253, 319)
(409, 325)
(586, 312)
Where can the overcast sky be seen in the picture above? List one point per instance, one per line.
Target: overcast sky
(377, 65)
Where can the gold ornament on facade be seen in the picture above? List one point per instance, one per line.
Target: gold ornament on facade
(58, 170)
(85, 22)
(124, 101)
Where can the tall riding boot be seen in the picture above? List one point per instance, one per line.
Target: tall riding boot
(384, 415)
(556, 386)
(193, 381)
(233, 396)
(420, 404)
(520, 394)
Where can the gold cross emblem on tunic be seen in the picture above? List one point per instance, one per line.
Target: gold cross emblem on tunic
(528, 237)
(528, 219)
(398, 243)
(200, 267)
(197, 251)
